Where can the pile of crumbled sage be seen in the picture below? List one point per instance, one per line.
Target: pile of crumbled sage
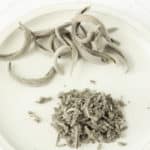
(71, 39)
(88, 117)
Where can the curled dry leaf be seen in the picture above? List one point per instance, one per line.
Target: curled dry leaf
(48, 32)
(36, 40)
(83, 10)
(74, 53)
(32, 81)
(58, 33)
(91, 19)
(60, 51)
(93, 56)
(27, 41)
(72, 37)
(111, 48)
(54, 42)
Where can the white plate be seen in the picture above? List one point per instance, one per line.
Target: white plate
(21, 133)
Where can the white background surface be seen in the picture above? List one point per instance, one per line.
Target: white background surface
(11, 9)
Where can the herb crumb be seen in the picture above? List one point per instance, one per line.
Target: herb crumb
(148, 107)
(99, 147)
(122, 143)
(93, 81)
(34, 116)
(43, 100)
(88, 116)
(121, 103)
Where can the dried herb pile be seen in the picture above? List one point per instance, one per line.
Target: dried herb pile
(88, 117)
(71, 39)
